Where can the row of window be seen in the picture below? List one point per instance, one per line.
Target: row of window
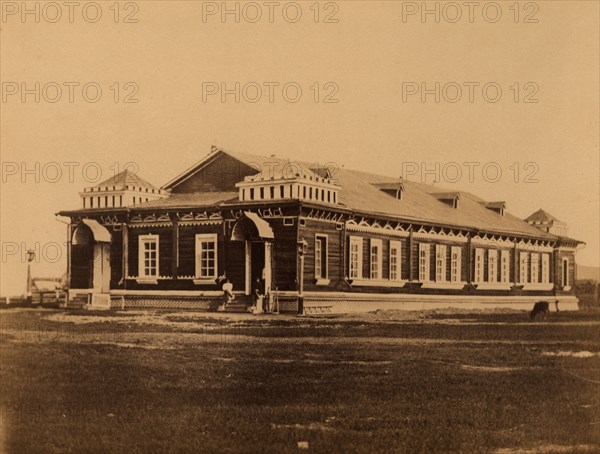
(205, 256)
(109, 201)
(114, 188)
(529, 262)
(498, 263)
(287, 191)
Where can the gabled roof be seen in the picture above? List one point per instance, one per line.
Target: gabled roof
(270, 166)
(126, 178)
(419, 202)
(541, 216)
(360, 192)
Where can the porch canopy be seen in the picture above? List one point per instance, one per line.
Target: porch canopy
(251, 226)
(99, 233)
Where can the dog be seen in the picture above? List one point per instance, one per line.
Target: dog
(541, 307)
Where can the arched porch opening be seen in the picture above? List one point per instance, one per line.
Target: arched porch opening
(254, 236)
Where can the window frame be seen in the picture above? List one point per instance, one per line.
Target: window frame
(377, 244)
(523, 267)
(504, 270)
(396, 245)
(424, 265)
(534, 263)
(441, 256)
(358, 242)
(199, 238)
(456, 264)
(545, 268)
(143, 240)
(492, 262)
(478, 267)
(321, 239)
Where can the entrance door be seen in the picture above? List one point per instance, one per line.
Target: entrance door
(257, 262)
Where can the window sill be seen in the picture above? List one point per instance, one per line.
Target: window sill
(147, 280)
(203, 281)
(445, 285)
(322, 281)
(549, 286)
(493, 285)
(377, 283)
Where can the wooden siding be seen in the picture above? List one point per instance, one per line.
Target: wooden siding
(222, 173)
(334, 256)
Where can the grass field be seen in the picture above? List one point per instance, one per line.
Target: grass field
(159, 381)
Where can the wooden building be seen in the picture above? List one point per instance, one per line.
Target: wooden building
(319, 240)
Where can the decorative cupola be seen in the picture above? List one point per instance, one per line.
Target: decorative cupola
(122, 190)
(496, 207)
(449, 198)
(548, 223)
(396, 189)
(302, 184)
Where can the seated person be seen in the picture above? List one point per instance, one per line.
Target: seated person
(228, 290)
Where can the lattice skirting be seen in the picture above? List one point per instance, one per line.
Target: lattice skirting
(165, 302)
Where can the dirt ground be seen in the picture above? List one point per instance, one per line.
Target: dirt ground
(387, 381)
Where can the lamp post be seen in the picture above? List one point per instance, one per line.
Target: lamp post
(302, 248)
(30, 256)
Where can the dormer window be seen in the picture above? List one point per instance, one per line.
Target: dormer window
(449, 198)
(395, 189)
(496, 207)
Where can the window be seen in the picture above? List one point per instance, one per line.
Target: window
(545, 268)
(523, 267)
(504, 266)
(206, 256)
(565, 272)
(310, 193)
(356, 252)
(535, 270)
(321, 256)
(376, 259)
(492, 265)
(440, 263)
(478, 265)
(251, 193)
(288, 221)
(423, 262)
(262, 193)
(243, 194)
(272, 192)
(282, 192)
(455, 264)
(395, 260)
(303, 192)
(148, 256)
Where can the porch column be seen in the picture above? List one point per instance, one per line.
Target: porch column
(409, 255)
(248, 267)
(175, 250)
(469, 260)
(268, 265)
(125, 255)
(69, 252)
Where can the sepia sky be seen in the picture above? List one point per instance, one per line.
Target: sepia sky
(369, 56)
